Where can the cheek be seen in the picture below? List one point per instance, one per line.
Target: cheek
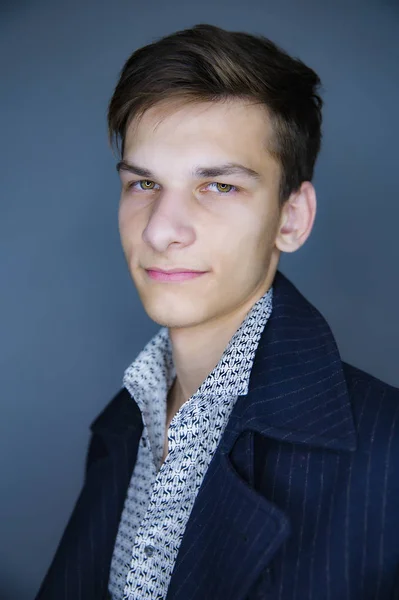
(129, 224)
(245, 241)
(123, 226)
(122, 213)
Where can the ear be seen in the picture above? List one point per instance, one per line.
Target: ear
(297, 218)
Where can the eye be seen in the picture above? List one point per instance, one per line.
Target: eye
(145, 184)
(223, 188)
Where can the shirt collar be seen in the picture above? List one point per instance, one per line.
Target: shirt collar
(150, 376)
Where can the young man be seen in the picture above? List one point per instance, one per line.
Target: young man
(242, 459)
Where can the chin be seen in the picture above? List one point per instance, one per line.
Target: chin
(174, 315)
(173, 319)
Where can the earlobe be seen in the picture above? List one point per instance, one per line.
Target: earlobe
(297, 218)
(287, 237)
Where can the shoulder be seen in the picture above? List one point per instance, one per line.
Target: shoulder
(375, 407)
(362, 384)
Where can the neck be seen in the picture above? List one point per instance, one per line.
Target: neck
(197, 350)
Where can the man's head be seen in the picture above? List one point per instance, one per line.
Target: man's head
(186, 109)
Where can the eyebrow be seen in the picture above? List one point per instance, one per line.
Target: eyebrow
(230, 168)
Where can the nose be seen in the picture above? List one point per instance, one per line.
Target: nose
(170, 222)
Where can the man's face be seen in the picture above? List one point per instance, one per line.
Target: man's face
(224, 225)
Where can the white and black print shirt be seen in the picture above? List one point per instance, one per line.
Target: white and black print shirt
(160, 498)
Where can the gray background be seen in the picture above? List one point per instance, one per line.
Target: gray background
(70, 319)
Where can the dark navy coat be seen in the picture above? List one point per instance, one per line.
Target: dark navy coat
(300, 501)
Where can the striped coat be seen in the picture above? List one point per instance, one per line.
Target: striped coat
(300, 501)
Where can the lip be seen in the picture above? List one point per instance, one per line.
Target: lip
(173, 275)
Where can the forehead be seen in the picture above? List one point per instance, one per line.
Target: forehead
(234, 130)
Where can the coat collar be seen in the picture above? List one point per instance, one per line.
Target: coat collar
(297, 390)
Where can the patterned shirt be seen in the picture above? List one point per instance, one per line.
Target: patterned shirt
(160, 497)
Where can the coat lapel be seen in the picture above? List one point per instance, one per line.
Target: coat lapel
(297, 394)
(232, 533)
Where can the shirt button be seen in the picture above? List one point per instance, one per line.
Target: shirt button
(144, 442)
(149, 550)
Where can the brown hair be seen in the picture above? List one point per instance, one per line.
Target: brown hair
(207, 63)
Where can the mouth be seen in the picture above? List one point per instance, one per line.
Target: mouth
(173, 275)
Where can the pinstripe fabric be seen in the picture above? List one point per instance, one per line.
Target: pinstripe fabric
(300, 501)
